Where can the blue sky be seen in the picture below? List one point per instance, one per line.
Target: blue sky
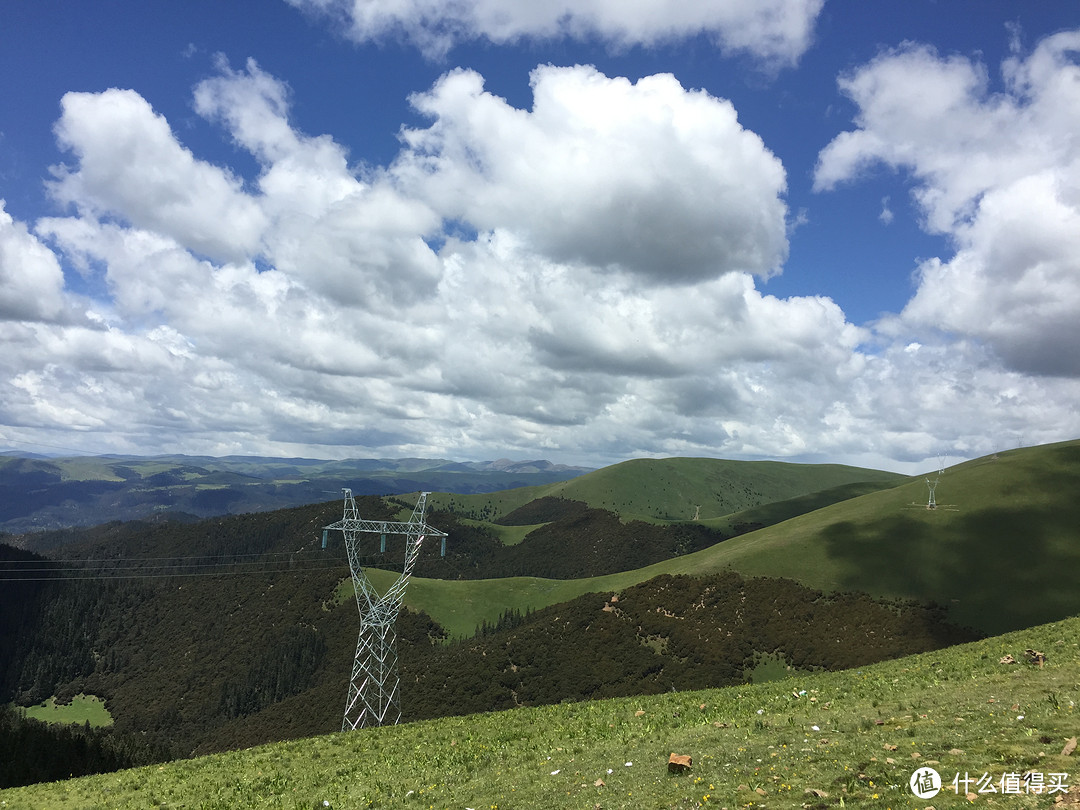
(791, 229)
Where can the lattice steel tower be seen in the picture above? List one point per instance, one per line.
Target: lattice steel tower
(374, 698)
(932, 503)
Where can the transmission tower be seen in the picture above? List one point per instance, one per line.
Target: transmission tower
(374, 698)
(932, 503)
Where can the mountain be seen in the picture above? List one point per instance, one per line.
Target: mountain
(996, 551)
(702, 490)
(816, 740)
(193, 655)
(51, 493)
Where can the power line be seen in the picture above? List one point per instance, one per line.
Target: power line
(163, 567)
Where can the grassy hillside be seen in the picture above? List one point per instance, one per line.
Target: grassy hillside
(994, 552)
(263, 656)
(676, 489)
(852, 738)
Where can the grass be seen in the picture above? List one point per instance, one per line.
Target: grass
(82, 709)
(508, 535)
(994, 552)
(848, 739)
(676, 489)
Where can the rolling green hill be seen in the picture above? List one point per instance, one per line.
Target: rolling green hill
(264, 656)
(676, 489)
(851, 738)
(997, 552)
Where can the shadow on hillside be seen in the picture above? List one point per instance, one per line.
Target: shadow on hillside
(996, 569)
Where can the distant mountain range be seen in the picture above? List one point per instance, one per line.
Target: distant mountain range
(41, 492)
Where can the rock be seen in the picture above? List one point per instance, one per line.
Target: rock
(679, 763)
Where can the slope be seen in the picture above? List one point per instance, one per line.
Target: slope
(999, 551)
(675, 489)
(849, 738)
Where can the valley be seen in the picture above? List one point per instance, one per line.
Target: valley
(840, 577)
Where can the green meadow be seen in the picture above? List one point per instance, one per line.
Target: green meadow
(1000, 553)
(997, 551)
(82, 709)
(839, 739)
(675, 489)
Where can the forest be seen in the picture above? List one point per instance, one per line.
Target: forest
(194, 664)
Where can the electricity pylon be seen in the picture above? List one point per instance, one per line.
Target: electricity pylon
(374, 698)
(932, 503)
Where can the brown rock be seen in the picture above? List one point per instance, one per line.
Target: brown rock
(679, 763)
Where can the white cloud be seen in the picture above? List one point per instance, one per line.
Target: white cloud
(774, 31)
(886, 215)
(131, 166)
(996, 171)
(354, 239)
(647, 177)
(31, 281)
(332, 328)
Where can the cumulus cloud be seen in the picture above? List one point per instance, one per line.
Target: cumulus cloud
(996, 171)
(131, 166)
(554, 316)
(645, 177)
(353, 238)
(774, 31)
(31, 281)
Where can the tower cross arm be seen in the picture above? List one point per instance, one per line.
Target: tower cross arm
(385, 527)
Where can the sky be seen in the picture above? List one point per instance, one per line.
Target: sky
(805, 230)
